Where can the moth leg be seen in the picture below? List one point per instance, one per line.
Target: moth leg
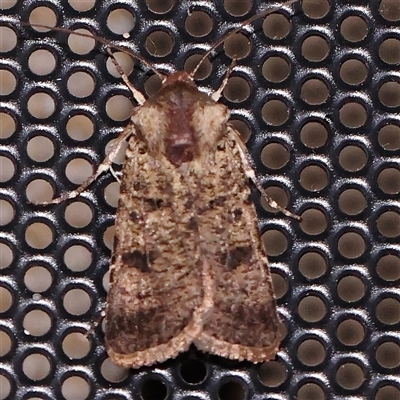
(249, 171)
(136, 94)
(103, 167)
(217, 94)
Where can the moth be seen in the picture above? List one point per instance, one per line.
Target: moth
(188, 265)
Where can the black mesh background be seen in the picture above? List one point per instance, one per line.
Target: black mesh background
(316, 95)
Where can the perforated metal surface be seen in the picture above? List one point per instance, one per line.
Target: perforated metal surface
(317, 95)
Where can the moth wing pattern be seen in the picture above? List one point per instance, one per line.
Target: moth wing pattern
(243, 323)
(188, 264)
(156, 300)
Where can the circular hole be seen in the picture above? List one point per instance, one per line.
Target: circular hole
(388, 224)
(389, 94)
(276, 26)
(78, 214)
(78, 170)
(36, 323)
(7, 256)
(312, 265)
(198, 24)
(5, 387)
(312, 308)
(314, 221)
(5, 345)
(153, 389)
(119, 108)
(8, 39)
(120, 21)
(275, 112)
(76, 302)
(8, 125)
(7, 169)
(108, 237)
(353, 115)
(350, 376)
(80, 127)
(111, 194)
(352, 158)
(6, 299)
(242, 128)
(38, 279)
(237, 46)
(280, 285)
(354, 29)
(351, 288)
(42, 62)
(315, 9)
(82, 6)
(275, 242)
(159, 44)
(387, 392)
(41, 105)
(125, 61)
(204, 70)
(389, 51)
(75, 388)
(314, 178)
(275, 155)
(352, 202)
(351, 245)
(77, 258)
(39, 191)
(272, 374)
(389, 180)
(42, 16)
(152, 85)
(80, 84)
(311, 391)
(7, 213)
(390, 10)
(276, 69)
(237, 89)
(36, 367)
(278, 195)
(8, 82)
(314, 134)
(237, 8)
(389, 137)
(350, 332)
(38, 235)
(193, 371)
(311, 352)
(315, 48)
(40, 148)
(353, 72)
(112, 372)
(388, 311)
(7, 4)
(388, 355)
(314, 91)
(160, 6)
(388, 267)
(79, 44)
(232, 390)
(75, 345)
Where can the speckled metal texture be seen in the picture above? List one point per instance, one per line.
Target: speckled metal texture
(316, 95)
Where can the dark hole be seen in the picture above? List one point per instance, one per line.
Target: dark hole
(153, 389)
(231, 390)
(193, 371)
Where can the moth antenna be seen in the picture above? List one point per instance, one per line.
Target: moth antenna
(103, 41)
(236, 30)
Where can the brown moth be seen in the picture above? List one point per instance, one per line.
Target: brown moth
(188, 264)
